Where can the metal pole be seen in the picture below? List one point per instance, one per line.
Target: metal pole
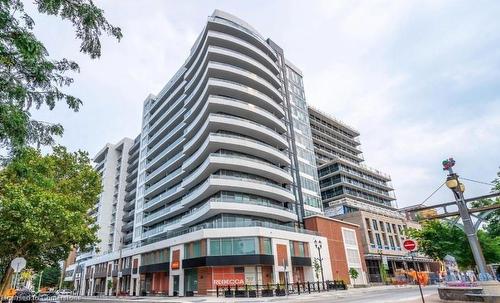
(118, 273)
(418, 282)
(40, 280)
(321, 265)
(15, 277)
(469, 229)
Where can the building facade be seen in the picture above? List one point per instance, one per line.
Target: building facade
(218, 183)
(111, 162)
(356, 193)
(344, 247)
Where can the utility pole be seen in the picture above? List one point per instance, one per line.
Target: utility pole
(458, 188)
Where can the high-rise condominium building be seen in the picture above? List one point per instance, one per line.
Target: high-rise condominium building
(221, 176)
(346, 182)
(111, 163)
(356, 193)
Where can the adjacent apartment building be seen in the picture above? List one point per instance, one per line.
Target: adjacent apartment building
(215, 189)
(356, 193)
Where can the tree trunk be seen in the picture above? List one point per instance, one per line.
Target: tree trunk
(4, 283)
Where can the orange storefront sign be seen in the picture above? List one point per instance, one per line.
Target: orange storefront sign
(176, 258)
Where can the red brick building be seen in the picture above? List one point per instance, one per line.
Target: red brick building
(344, 245)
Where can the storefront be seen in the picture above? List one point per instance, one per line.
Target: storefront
(154, 273)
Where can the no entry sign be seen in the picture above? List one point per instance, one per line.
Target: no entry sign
(410, 245)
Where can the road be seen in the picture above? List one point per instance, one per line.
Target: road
(370, 295)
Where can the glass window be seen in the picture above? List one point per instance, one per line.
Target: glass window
(243, 246)
(215, 247)
(379, 242)
(196, 249)
(266, 246)
(226, 246)
(375, 225)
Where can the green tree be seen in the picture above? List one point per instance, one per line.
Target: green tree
(44, 202)
(317, 268)
(29, 78)
(492, 225)
(50, 276)
(354, 274)
(437, 239)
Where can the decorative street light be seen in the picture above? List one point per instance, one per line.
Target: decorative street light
(319, 245)
(381, 266)
(458, 188)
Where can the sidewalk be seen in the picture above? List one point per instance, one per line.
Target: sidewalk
(299, 298)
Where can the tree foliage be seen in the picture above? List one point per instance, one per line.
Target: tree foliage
(29, 78)
(50, 276)
(44, 202)
(437, 239)
(492, 225)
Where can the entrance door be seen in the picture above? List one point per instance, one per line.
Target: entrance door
(176, 285)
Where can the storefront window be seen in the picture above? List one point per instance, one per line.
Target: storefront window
(227, 246)
(239, 246)
(215, 247)
(244, 246)
(266, 246)
(191, 279)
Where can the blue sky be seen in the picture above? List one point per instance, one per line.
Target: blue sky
(419, 79)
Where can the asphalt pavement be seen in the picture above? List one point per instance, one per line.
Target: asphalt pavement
(384, 294)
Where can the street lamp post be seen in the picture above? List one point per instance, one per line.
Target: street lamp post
(458, 188)
(319, 245)
(381, 266)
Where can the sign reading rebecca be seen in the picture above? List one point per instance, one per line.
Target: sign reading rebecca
(227, 282)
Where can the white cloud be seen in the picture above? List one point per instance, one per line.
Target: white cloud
(419, 79)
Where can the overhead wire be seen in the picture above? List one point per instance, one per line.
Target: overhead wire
(435, 191)
(479, 182)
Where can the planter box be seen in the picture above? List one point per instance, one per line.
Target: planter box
(459, 293)
(267, 293)
(252, 294)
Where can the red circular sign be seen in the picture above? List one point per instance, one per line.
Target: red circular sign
(409, 245)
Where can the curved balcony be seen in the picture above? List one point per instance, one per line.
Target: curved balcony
(160, 200)
(217, 183)
(216, 122)
(227, 41)
(167, 130)
(172, 110)
(214, 207)
(172, 149)
(220, 104)
(224, 70)
(165, 106)
(164, 168)
(216, 141)
(234, 58)
(163, 183)
(238, 163)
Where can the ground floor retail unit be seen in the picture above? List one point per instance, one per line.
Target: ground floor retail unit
(202, 261)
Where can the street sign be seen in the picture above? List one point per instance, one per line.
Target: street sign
(18, 264)
(410, 245)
